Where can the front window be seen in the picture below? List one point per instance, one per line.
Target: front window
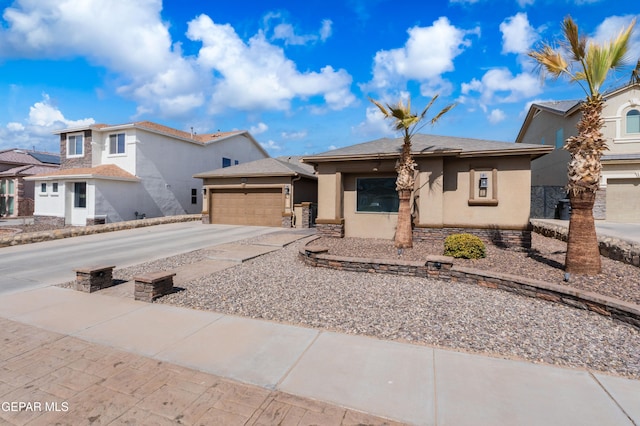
(54, 187)
(194, 196)
(633, 121)
(377, 195)
(75, 145)
(226, 162)
(559, 138)
(116, 143)
(43, 187)
(80, 194)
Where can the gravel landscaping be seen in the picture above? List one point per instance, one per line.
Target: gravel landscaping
(279, 287)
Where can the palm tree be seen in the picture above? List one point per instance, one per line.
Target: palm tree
(408, 123)
(635, 74)
(583, 61)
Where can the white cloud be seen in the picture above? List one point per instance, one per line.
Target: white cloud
(374, 124)
(443, 42)
(496, 116)
(294, 135)
(525, 3)
(611, 27)
(499, 85)
(287, 33)
(43, 118)
(271, 146)
(517, 34)
(47, 117)
(258, 128)
(332, 147)
(257, 75)
(130, 39)
(15, 127)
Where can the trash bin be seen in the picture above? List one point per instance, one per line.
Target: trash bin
(564, 209)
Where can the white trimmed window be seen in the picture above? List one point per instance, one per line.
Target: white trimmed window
(116, 143)
(75, 145)
(633, 121)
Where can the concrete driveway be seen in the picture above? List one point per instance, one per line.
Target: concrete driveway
(52, 262)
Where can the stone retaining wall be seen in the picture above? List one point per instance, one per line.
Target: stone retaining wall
(55, 234)
(443, 267)
(520, 238)
(613, 248)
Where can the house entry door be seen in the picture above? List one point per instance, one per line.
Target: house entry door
(79, 207)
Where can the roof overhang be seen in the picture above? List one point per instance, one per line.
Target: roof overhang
(81, 176)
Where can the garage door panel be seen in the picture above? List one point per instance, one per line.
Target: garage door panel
(623, 200)
(247, 207)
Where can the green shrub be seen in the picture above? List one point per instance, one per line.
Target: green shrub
(465, 246)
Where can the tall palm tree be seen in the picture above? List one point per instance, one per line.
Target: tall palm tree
(408, 123)
(584, 61)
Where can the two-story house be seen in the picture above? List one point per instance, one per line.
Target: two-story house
(551, 123)
(112, 173)
(16, 194)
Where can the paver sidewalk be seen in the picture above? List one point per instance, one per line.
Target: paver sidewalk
(67, 381)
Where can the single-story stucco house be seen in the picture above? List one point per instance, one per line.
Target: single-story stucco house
(462, 185)
(267, 192)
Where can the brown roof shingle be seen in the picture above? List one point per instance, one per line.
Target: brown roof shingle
(103, 171)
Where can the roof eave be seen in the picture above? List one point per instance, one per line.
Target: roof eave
(82, 176)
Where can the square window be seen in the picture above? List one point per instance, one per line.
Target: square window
(75, 145)
(377, 195)
(236, 162)
(116, 143)
(226, 162)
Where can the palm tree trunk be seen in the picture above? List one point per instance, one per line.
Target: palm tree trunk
(583, 253)
(404, 232)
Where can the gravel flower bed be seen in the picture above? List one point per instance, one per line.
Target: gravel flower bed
(544, 262)
(279, 287)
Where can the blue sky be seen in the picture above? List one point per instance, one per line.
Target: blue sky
(298, 75)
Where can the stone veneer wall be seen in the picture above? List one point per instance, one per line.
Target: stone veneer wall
(75, 231)
(600, 206)
(499, 237)
(287, 220)
(613, 248)
(442, 267)
(49, 220)
(72, 163)
(333, 229)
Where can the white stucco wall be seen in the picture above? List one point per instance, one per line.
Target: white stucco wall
(49, 203)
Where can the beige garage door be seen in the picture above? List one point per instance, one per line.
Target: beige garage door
(261, 207)
(623, 200)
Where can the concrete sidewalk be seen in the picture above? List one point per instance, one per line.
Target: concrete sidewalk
(199, 358)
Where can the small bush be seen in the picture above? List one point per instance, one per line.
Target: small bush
(465, 246)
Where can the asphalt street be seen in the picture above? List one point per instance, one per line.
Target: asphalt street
(52, 262)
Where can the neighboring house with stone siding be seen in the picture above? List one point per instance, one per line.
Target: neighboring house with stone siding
(112, 173)
(551, 123)
(462, 185)
(16, 194)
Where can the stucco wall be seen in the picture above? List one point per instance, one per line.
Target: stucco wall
(615, 112)
(443, 199)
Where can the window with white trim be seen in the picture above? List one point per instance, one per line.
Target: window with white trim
(75, 145)
(633, 121)
(116, 143)
(43, 187)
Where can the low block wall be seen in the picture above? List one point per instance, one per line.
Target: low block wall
(613, 248)
(56, 234)
(443, 267)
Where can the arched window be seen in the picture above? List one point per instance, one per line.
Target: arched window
(633, 121)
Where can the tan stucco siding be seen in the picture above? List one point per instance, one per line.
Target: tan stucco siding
(430, 201)
(329, 193)
(615, 114)
(366, 224)
(550, 169)
(513, 180)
